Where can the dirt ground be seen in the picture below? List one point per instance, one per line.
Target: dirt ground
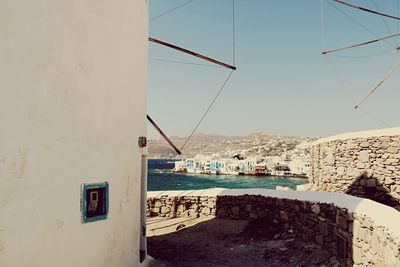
(220, 242)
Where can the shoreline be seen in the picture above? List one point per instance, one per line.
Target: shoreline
(246, 174)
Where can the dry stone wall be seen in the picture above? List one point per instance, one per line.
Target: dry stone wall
(363, 164)
(354, 237)
(181, 206)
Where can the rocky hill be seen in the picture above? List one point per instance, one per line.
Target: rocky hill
(256, 144)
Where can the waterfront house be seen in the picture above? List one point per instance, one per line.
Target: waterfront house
(299, 166)
(250, 165)
(180, 166)
(281, 170)
(260, 169)
(232, 166)
(190, 165)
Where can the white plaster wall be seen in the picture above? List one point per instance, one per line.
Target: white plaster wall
(72, 106)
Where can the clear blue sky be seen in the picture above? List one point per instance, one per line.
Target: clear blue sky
(283, 84)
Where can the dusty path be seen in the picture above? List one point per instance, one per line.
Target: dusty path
(220, 242)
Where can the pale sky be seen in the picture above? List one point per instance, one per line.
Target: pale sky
(282, 85)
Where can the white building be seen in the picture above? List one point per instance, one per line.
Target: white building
(180, 166)
(299, 165)
(72, 108)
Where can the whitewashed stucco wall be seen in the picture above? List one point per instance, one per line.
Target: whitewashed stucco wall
(72, 106)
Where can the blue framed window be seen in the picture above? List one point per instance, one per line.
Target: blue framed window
(94, 202)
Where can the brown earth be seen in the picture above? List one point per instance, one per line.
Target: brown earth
(222, 242)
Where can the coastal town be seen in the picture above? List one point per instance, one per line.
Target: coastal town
(293, 163)
(199, 133)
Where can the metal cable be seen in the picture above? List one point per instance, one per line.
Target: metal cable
(352, 98)
(374, 117)
(356, 22)
(171, 10)
(334, 69)
(366, 10)
(383, 20)
(185, 62)
(397, 24)
(341, 81)
(207, 110)
(233, 33)
(323, 35)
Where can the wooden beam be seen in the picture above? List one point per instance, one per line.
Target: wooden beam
(360, 44)
(366, 9)
(191, 53)
(163, 135)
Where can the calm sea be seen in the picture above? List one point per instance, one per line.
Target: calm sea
(159, 178)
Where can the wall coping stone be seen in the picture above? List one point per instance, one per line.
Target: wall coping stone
(361, 134)
(382, 215)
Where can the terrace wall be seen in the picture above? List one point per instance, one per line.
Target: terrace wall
(360, 231)
(363, 164)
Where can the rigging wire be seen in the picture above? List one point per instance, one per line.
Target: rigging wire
(344, 86)
(342, 83)
(384, 21)
(328, 60)
(323, 35)
(357, 23)
(397, 22)
(233, 33)
(171, 10)
(367, 10)
(185, 62)
(374, 117)
(203, 57)
(207, 110)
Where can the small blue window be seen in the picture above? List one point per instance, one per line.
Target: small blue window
(94, 202)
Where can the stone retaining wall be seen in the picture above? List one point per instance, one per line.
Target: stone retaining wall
(362, 164)
(345, 229)
(185, 206)
(330, 226)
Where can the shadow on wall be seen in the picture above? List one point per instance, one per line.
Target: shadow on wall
(226, 242)
(281, 223)
(321, 223)
(368, 187)
(354, 238)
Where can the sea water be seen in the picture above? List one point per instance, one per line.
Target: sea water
(160, 177)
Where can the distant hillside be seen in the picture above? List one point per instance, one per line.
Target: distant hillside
(257, 144)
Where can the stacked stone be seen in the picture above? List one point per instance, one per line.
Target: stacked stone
(367, 166)
(185, 206)
(374, 245)
(163, 206)
(353, 237)
(321, 223)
